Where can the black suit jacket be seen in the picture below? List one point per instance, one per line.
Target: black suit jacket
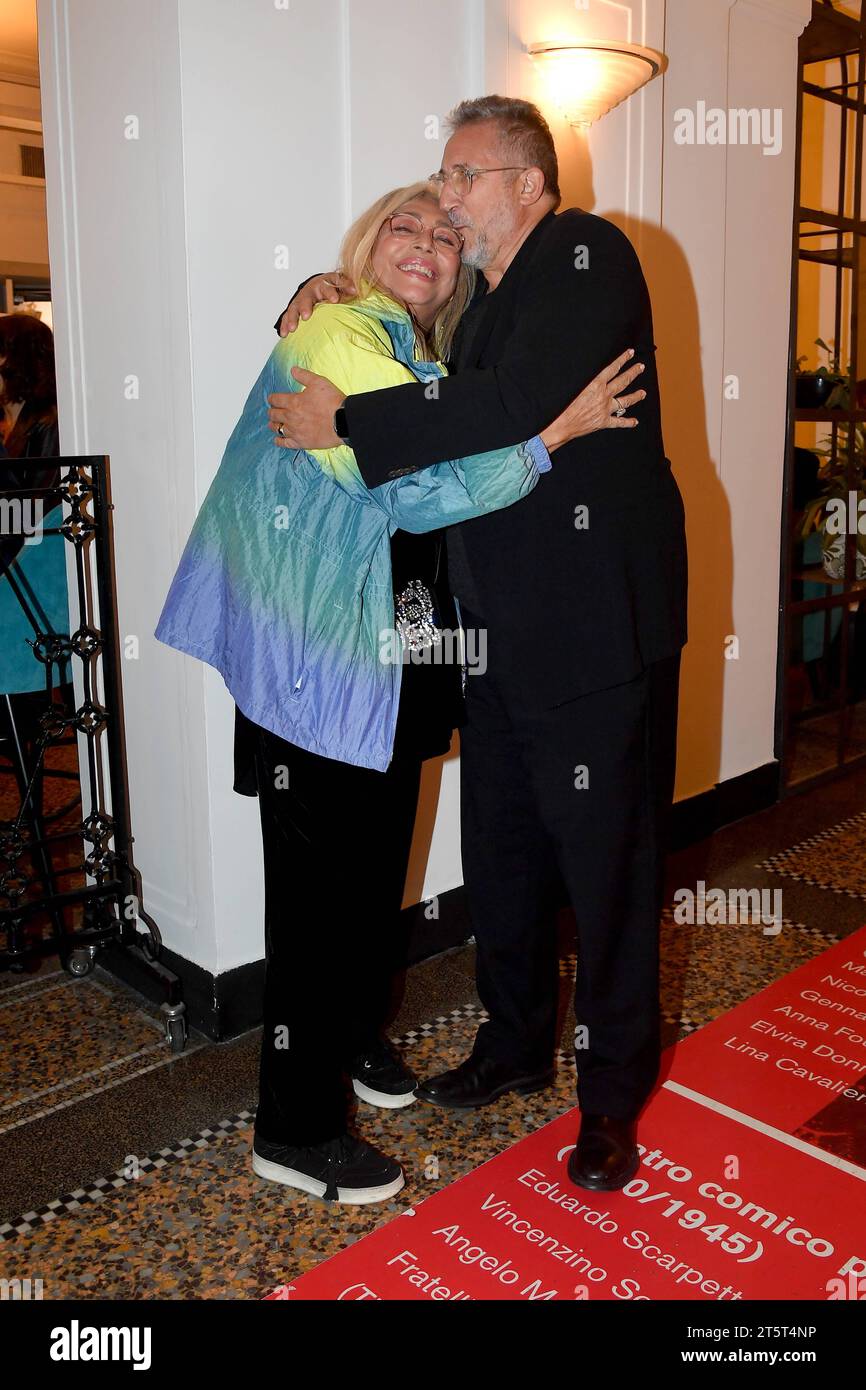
(575, 601)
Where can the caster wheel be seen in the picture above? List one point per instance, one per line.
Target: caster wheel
(78, 964)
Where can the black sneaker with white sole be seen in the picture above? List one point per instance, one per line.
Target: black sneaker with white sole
(345, 1169)
(381, 1077)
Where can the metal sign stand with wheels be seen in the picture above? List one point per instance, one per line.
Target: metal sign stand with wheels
(47, 903)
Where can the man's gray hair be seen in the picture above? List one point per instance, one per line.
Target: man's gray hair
(524, 133)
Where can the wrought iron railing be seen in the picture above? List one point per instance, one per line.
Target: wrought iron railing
(68, 882)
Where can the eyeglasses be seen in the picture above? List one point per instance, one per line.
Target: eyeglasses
(405, 224)
(460, 178)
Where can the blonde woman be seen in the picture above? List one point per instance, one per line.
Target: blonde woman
(292, 585)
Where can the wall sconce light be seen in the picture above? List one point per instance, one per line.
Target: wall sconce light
(588, 78)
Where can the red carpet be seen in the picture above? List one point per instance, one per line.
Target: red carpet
(752, 1185)
(794, 1055)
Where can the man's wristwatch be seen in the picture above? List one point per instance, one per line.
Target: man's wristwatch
(341, 427)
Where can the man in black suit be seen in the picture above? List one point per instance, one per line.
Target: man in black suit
(568, 753)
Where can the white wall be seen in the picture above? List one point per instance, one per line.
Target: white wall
(262, 126)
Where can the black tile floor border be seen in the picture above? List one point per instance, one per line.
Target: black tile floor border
(779, 863)
(99, 1188)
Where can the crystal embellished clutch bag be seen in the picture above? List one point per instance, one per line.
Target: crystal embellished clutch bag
(415, 617)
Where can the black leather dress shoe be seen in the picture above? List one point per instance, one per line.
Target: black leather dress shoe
(478, 1081)
(606, 1157)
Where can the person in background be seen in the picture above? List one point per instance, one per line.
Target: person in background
(28, 392)
(33, 590)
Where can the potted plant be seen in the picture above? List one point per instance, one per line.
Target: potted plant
(815, 390)
(840, 508)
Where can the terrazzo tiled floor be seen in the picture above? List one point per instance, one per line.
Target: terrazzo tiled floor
(126, 1171)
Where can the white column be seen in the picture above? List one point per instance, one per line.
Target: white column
(758, 237)
(720, 278)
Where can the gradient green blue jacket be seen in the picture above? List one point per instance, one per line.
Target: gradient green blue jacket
(284, 585)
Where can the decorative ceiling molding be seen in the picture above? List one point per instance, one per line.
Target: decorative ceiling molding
(792, 15)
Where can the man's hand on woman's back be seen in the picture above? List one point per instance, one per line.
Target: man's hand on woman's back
(329, 288)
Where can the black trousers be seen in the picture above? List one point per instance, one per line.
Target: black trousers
(526, 818)
(336, 841)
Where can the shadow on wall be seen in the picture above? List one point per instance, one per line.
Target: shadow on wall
(708, 515)
(708, 519)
